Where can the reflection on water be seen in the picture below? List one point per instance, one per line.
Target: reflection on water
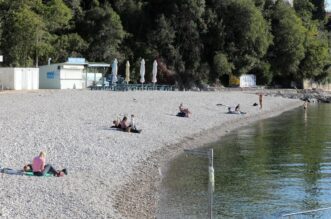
(265, 170)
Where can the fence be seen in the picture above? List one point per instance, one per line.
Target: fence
(131, 87)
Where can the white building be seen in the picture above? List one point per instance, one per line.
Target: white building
(247, 81)
(61, 76)
(76, 73)
(19, 78)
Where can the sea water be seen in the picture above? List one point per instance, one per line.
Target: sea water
(267, 169)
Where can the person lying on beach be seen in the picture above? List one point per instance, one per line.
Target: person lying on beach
(183, 112)
(11, 171)
(116, 124)
(236, 110)
(28, 168)
(125, 125)
(40, 168)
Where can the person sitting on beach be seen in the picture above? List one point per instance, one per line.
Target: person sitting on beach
(28, 168)
(40, 168)
(125, 126)
(133, 124)
(237, 109)
(183, 112)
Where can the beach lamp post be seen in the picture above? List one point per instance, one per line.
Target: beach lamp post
(211, 181)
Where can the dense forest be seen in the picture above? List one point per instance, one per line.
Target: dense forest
(196, 42)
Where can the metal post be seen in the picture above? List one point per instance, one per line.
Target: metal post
(211, 181)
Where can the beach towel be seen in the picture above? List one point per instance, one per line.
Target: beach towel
(31, 174)
(132, 130)
(236, 112)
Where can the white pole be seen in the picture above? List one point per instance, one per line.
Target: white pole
(210, 182)
(211, 179)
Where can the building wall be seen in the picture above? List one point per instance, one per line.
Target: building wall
(19, 78)
(26, 78)
(72, 77)
(248, 80)
(61, 76)
(49, 77)
(7, 78)
(310, 84)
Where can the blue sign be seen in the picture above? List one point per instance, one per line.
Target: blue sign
(50, 75)
(72, 60)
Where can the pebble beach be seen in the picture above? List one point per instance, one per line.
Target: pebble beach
(111, 174)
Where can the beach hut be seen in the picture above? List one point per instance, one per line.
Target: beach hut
(76, 73)
(248, 80)
(68, 75)
(19, 78)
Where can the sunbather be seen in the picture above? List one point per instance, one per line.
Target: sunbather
(40, 168)
(28, 168)
(183, 112)
(237, 109)
(116, 124)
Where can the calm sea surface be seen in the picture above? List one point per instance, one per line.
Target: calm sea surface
(265, 170)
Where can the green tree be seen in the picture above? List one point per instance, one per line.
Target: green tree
(30, 29)
(316, 55)
(304, 9)
(319, 12)
(247, 34)
(19, 39)
(102, 29)
(288, 49)
(222, 65)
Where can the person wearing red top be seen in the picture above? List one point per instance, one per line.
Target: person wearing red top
(40, 168)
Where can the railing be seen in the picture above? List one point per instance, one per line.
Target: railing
(128, 87)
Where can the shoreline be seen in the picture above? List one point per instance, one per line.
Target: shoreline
(151, 179)
(112, 174)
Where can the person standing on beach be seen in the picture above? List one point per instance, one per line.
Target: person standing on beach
(260, 100)
(305, 105)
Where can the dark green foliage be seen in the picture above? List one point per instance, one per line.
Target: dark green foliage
(288, 49)
(247, 35)
(194, 41)
(319, 12)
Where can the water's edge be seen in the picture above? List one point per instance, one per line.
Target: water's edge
(144, 188)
